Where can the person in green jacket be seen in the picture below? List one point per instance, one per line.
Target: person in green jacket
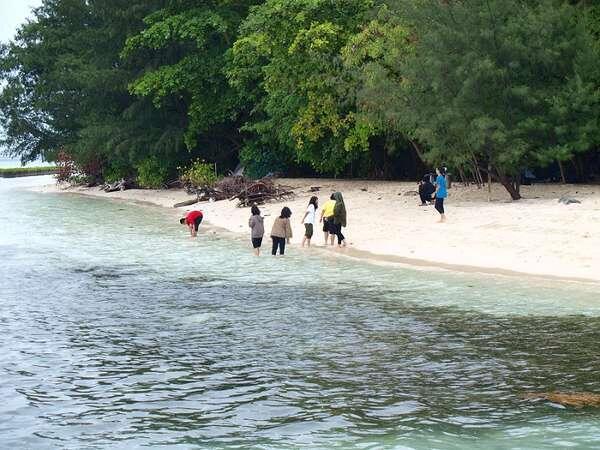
(339, 218)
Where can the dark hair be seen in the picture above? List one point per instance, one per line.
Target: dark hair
(182, 220)
(255, 211)
(314, 201)
(442, 170)
(332, 196)
(286, 213)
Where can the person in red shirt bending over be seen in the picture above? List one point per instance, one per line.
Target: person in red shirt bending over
(192, 220)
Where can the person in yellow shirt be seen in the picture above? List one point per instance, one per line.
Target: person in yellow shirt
(327, 219)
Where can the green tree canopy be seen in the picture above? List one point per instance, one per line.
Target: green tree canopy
(288, 65)
(66, 88)
(510, 83)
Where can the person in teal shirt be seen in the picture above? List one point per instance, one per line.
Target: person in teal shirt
(441, 192)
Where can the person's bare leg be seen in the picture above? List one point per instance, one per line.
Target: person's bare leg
(326, 237)
(303, 241)
(442, 218)
(308, 242)
(332, 239)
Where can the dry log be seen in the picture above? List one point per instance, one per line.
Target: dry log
(572, 399)
(186, 203)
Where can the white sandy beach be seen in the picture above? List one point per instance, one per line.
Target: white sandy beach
(536, 235)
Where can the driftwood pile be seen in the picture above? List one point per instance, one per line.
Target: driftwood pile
(262, 191)
(247, 191)
(120, 185)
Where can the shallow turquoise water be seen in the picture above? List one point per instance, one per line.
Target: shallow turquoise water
(118, 331)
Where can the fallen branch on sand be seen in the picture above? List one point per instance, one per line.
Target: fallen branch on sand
(186, 203)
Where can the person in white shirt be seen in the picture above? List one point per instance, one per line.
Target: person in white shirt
(309, 220)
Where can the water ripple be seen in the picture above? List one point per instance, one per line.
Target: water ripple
(116, 341)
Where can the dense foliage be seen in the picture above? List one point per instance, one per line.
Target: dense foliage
(378, 88)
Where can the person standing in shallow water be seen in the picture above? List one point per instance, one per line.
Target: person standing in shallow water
(339, 218)
(257, 227)
(281, 233)
(327, 219)
(193, 219)
(441, 192)
(309, 220)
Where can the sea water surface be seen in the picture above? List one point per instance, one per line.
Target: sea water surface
(119, 331)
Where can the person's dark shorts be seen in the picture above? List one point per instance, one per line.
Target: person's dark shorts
(257, 242)
(197, 222)
(328, 225)
(308, 230)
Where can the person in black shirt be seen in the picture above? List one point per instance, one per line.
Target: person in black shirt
(426, 189)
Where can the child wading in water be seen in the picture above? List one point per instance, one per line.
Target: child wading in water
(192, 220)
(339, 218)
(309, 220)
(440, 192)
(327, 219)
(281, 231)
(256, 223)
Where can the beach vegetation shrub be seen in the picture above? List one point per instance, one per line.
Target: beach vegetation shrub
(81, 179)
(66, 167)
(152, 173)
(115, 172)
(199, 173)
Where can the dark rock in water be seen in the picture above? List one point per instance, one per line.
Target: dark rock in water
(364, 189)
(568, 200)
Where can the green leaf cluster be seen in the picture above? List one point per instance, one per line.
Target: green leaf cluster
(199, 174)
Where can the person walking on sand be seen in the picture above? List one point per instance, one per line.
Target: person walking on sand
(193, 219)
(281, 231)
(339, 218)
(440, 192)
(257, 227)
(309, 220)
(327, 219)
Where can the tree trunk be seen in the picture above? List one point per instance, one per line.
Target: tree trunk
(461, 173)
(418, 151)
(509, 185)
(489, 171)
(477, 172)
(562, 172)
